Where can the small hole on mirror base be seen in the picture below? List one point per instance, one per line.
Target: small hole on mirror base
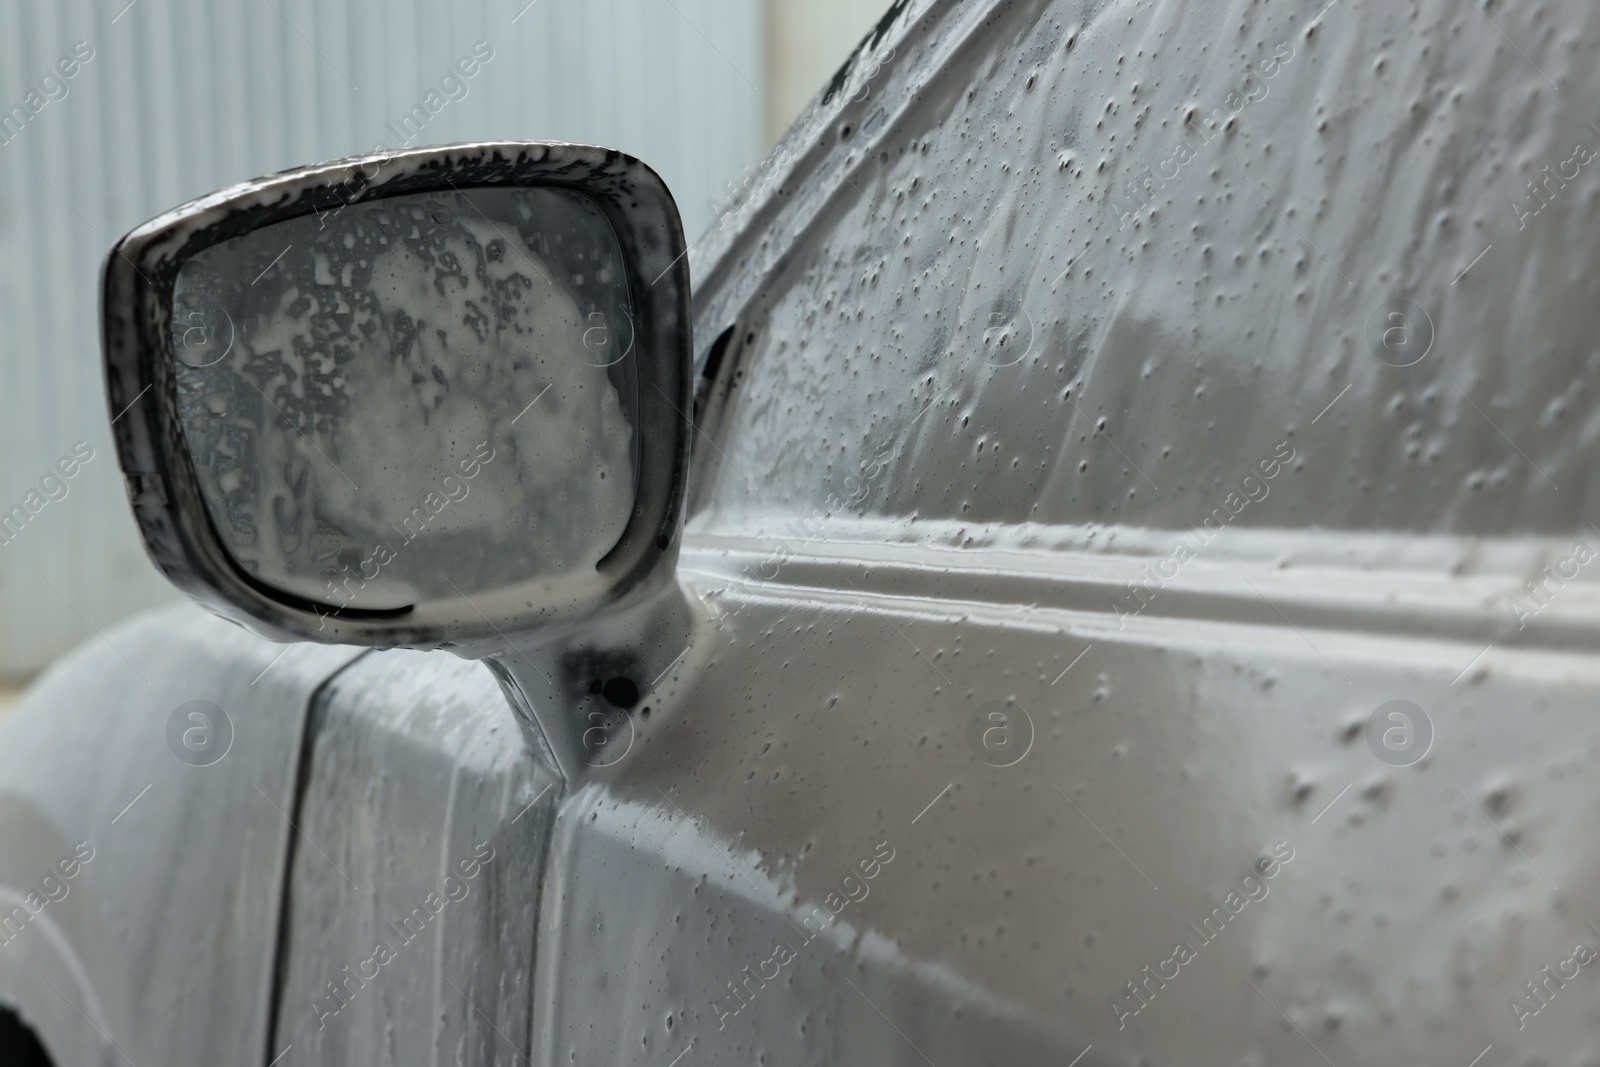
(645, 714)
(621, 693)
(662, 542)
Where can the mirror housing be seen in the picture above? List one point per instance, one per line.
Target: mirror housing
(165, 489)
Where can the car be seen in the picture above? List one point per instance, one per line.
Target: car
(1094, 572)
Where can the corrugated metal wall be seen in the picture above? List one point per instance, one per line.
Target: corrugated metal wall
(184, 96)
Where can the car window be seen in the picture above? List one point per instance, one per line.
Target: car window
(1138, 269)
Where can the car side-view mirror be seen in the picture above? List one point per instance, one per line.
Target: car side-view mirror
(419, 399)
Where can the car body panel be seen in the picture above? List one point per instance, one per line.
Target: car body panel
(431, 822)
(766, 868)
(162, 946)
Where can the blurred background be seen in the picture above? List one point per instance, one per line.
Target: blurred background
(111, 112)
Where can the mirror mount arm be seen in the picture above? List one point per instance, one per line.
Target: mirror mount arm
(524, 678)
(586, 698)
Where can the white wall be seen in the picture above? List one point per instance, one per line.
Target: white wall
(185, 96)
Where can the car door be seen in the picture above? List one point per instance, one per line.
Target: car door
(1140, 620)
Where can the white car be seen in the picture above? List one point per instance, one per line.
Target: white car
(1099, 574)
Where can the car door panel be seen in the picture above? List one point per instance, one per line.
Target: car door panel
(712, 953)
(1170, 755)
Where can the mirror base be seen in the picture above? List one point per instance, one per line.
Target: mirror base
(583, 698)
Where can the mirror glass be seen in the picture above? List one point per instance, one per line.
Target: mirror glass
(421, 398)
